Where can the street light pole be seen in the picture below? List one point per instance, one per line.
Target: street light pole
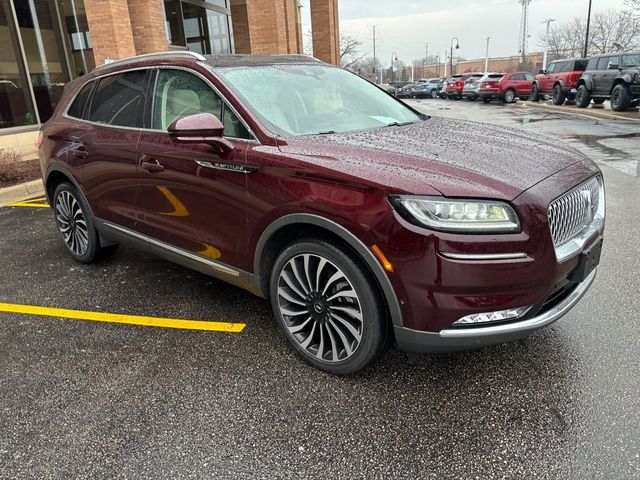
(546, 44)
(392, 72)
(486, 58)
(457, 47)
(586, 41)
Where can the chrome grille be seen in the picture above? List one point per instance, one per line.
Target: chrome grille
(574, 211)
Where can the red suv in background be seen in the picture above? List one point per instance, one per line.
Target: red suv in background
(511, 86)
(560, 79)
(455, 84)
(360, 219)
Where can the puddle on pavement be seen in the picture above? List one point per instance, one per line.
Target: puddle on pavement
(618, 151)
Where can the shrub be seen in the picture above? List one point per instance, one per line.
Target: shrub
(9, 165)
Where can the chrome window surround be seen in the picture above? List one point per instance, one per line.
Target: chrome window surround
(576, 216)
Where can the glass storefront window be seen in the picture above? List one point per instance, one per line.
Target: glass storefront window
(206, 31)
(16, 107)
(173, 22)
(43, 48)
(76, 31)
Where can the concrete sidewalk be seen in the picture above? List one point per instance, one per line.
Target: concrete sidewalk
(591, 112)
(20, 192)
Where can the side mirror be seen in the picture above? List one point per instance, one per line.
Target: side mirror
(613, 66)
(542, 72)
(200, 128)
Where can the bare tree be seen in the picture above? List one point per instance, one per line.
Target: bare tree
(634, 7)
(350, 51)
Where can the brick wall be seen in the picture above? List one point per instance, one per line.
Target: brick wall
(147, 25)
(240, 21)
(326, 30)
(110, 29)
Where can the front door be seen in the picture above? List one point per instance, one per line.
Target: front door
(192, 196)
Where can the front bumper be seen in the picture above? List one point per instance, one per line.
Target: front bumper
(456, 339)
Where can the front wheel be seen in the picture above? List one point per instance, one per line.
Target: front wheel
(434, 94)
(583, 97)
(620, 98)
(328, 307)
(76, 226)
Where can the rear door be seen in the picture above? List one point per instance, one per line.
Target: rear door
(103, 151)
(192, 196)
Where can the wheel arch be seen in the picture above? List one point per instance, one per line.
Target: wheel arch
(586, 81)
(558, 82)
(285, 229)
(616, 82)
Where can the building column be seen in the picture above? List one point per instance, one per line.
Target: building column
(266, 27)
(110, 29)
(147, 24)
(326, 30)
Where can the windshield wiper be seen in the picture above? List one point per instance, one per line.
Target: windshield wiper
(327, 132)
(399, 124)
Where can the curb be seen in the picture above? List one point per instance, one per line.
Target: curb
(18, 193)
(586, 112)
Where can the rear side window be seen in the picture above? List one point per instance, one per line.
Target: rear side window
(119, 100)
(529, 77)
(76, 110)
(517, 76)
(593, 64)
(579, 65)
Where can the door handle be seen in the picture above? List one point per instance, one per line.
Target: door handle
(80, 153)
(152, 166)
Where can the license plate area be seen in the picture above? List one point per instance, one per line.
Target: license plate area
(589, 260)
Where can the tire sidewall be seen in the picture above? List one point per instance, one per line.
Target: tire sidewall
(93, 245)
(374, 329)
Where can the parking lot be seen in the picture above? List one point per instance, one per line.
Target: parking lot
(97, 399)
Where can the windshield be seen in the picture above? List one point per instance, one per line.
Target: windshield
(631, 60)
(315, 99)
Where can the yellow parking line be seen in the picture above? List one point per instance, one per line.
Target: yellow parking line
(40, 202)
(124, 319)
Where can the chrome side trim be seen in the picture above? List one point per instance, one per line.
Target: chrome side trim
(484, 256)
(192, 256)
(535, 323)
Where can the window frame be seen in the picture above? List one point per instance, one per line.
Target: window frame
(152, 77)
(92, 83)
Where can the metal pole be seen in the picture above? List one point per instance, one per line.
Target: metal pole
(546, 44)
(586, 41)
(374, 49)
(486, 58)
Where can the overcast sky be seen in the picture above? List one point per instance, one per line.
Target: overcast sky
(404, 26)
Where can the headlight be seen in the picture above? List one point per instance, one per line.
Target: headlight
(463, 216)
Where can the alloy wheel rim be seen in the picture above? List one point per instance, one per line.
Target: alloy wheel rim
(72, 223)
(615, 100)
(320, 308)
(510, 96)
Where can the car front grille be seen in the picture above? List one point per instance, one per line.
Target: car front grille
(575, 211)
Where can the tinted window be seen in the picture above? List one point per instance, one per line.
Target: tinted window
(76, 109)
(119, 99)
(179, 94)
(517, 76)
(593, 64)
(552, 68)
(579, 65)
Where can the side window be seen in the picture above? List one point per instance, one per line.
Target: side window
(613, 61)
(179, 94)
(552, 68)
(603, 63)
(517, 76)
(119, 99)
(529, 77)
(76, 110)
(593, 64)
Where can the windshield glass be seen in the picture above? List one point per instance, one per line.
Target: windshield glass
(315, 99)
(631, 60)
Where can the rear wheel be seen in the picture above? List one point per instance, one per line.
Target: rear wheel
(434, 94)
(558, 95)
(76, 226)
(328, 307)
(535, 93)
(509, 96)
(620, 98)
(583, 97)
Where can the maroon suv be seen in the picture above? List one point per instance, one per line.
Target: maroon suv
(361, 220)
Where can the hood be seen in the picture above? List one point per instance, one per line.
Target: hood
(457, 158)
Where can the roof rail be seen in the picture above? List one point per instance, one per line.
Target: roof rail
(159, 55)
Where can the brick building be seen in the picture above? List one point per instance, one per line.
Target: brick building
(45, 43)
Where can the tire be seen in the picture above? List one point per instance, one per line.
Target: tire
(599, 101)
(434, 94)
(620, 97)
(583, 97)
(486, 99)
(472, 98)
(351, 329)
(535, 93)
(558, 95)
(76, 227)
(509, 96)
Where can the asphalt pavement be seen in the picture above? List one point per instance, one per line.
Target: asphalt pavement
(83, 399)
